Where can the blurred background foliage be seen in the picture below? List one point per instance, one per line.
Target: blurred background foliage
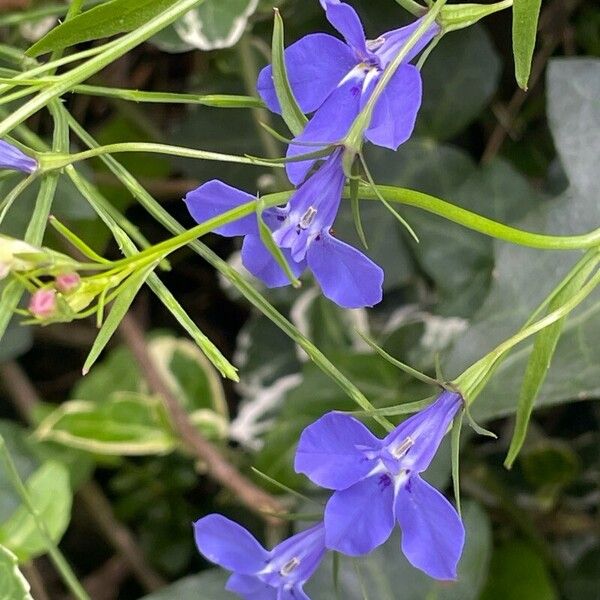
(99, 456)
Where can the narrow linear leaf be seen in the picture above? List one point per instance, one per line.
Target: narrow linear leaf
(111, 18)
(14, 585)
(455, 445)
(355, 204)
(119, 308)
(293, 116)
(267, 239)
(539, 363)
(51, 496)
(524, 32)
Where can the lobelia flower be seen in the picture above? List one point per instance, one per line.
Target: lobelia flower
(378, 482)
(303, 230)
(257, 573)
(336, 79)
(12, 158)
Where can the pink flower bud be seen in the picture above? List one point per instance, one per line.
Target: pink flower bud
(67, 282)
(42, 304)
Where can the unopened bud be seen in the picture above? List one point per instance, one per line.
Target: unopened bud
(42, 304)
(66, 283)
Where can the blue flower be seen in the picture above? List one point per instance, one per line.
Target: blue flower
(257, 573)
(303, 230)
(12, 158)
(336, 79)
(378, 482)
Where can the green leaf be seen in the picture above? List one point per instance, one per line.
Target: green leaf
(119, 309)
(125, 424)
(524, 32)
(110, 18)
(539, 362)
(51, 496)
(459, 80)
(389, 576)
(517, 571)
(14, 586)
(215, 24)
(517, 289)
(208, 585)
(293, 116)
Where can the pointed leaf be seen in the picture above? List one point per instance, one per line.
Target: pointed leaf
(524, 33)
(14, 585)
(290, 111)
(110, 18)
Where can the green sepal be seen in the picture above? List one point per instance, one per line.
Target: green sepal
(267, 239)
(293, 116)
(459, 16)
(355, 205)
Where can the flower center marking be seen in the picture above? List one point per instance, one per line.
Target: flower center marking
(308, 217)
(403, 448)
(374, 45)
(289, 566)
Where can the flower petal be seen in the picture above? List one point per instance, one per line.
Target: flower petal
(329, 125)
(360, 518)
(229, 545)
(315, 65)
(396, 110)
(214, 198)
(331, 451)
(345, 19)
(295, 593)
(395, 39)
(346, 276)
(433, 535)
(260, 262)
(250, 588)
(426, 430)
(12, 157)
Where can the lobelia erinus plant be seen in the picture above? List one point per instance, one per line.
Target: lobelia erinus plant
(337, 94)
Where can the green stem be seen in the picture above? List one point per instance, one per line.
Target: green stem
(355, 135)
(480, 223)
(50, 161)
(412, 7)
(55, 554)
(97, 63)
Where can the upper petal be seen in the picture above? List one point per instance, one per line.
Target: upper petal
(394, 40)
(229, 545)
(315, 65)
(329, 124)
(424, 431)
(346, 276)
(331, 451)
(433, 535)
(212, 199)
(260, 262)
(396, 109)
(360, 518)
(345, 19)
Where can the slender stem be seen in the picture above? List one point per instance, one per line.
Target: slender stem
(480, 223)
(355, 135)
(52, 161)
(55, 554)
(412, 7)
(217, 466)
(97, 63)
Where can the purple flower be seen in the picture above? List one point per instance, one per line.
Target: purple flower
(377, 483)
(303, 230)
(257, 573)
(12, 158)
(336, 79)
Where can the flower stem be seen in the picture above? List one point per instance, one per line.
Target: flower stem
(55, 554)
(50, 161)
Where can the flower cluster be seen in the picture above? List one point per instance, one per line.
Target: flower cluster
(334, 80)
(376, 483)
